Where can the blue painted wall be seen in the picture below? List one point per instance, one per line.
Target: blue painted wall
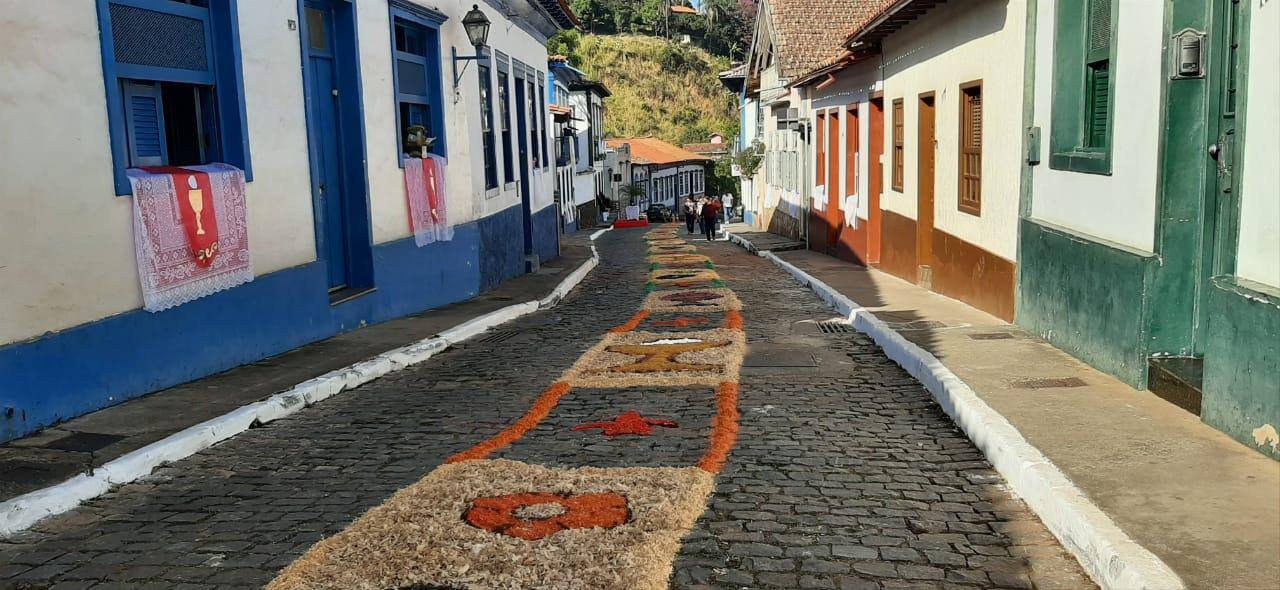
(546, 236)
(501, 247)
(100, 364)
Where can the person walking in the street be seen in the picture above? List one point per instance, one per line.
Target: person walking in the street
(710, 214)
(690, 214)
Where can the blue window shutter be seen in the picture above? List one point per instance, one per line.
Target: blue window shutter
(144, 124)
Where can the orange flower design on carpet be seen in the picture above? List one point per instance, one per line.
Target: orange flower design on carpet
(533, 516)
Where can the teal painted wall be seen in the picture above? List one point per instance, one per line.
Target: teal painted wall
(1242, 363)
(1085, 297)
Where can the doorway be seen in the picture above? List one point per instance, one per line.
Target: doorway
(524, 94)
(335, 132)
(835, 193)
(926, 156)
(875, 184)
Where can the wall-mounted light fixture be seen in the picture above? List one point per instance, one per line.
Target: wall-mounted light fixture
(477, 27)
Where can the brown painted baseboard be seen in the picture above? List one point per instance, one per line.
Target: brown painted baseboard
(898, 246)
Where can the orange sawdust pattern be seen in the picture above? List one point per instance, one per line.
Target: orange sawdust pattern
(546, 402)
(724, 429)
(661, 358)
(632, 323)
(497, 514)
(733, 319)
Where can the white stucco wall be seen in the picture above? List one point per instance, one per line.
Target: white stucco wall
(853, 86)
(956, 43)
(1258, 258)
(66, 242)
(1121, 207)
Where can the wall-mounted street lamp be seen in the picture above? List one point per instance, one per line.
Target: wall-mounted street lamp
(477, 27)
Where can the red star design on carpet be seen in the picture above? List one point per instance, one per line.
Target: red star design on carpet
(629, 423)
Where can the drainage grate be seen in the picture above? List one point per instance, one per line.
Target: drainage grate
(83, 442)
(835, 328)
(1050, 383)
(991, 336)
(498, 336)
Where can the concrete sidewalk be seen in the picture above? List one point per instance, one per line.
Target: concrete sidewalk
(83, 444)
(1204, 504)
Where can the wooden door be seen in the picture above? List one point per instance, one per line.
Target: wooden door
(835, 221)
(875, 184)
(926, 154)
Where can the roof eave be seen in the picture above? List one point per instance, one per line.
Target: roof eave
(889, 20)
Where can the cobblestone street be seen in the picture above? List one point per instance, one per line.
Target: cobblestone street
(845, 473)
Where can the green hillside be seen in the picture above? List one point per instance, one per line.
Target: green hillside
(659, 88)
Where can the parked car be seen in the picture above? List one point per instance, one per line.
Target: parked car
(659, 214)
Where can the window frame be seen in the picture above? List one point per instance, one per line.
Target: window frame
(898, 131)
(488, 137)
(1068, 146)
(225, 79)
(972, 206)
(430, 21)
(505, 128)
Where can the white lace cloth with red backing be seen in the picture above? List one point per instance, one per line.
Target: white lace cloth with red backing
(166, 267)
(425, 188)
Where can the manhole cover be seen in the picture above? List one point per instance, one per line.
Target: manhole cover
(1050, 383)
(83, 442)
(991, 336)
(835, 328)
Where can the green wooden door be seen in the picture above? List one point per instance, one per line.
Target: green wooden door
(1222, 200)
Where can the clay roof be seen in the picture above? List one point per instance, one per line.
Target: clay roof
(707, 148)
(810, 32)
(561, 13)
(678, 9)
(651, 150)
(887, 18)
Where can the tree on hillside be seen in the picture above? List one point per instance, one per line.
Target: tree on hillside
(723, 28)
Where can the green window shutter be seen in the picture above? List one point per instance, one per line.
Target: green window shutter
(1098, 114)
(1099, 44)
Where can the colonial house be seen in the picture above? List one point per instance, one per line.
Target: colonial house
(617, 174)
(947, 217)
(714, 148)
(665, 173)
(247, 177)
(565, 137)
(788, 42)
(583, 140)
(1148, 236)
(588, 97)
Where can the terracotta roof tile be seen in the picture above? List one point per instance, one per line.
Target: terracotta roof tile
(651, 150)
(707, 148)
(810, 32)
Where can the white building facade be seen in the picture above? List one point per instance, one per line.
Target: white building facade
(277, 84)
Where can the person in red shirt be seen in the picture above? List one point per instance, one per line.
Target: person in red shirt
(710, 215)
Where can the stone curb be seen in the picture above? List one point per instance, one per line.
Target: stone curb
(20, 513)
(1112, 558)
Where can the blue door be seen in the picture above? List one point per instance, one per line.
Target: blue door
(326, 140)
(523, 96)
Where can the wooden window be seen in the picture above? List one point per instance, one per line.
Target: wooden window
(970, 200)
(899, 146)
(415, 52)
(1083, 86)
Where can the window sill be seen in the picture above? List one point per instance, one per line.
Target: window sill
(508, 186)
(1085, 162)
(971, 210)
(492, 192)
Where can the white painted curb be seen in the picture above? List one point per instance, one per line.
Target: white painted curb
(18, 514)
(1112, 558)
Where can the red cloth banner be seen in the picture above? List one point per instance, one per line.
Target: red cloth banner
(195, 206)
(425, 189)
